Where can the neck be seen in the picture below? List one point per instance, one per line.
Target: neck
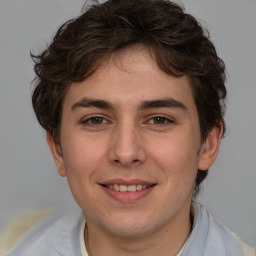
(166, 241)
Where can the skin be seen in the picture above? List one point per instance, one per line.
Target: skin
(130, 139)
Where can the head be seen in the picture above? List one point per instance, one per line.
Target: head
(177, 44)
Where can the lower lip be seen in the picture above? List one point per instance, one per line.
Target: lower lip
(127, 196)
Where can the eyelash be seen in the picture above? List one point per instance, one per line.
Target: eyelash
(90, 120)
(163, 120)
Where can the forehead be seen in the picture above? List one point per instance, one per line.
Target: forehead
(133, 76)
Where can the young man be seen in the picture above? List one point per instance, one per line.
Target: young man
(131, 94)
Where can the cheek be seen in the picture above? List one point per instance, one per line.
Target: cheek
(177, 150)
(178, 159)
(81, 156)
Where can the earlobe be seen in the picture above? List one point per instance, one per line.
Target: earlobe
(210, 148)
(57, 154)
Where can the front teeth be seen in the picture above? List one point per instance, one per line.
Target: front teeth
(129, 188)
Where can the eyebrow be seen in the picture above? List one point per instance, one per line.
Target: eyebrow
(162, 103)
(97, 103)
(148, 104)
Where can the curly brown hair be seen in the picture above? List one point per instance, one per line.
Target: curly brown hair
(179, 44)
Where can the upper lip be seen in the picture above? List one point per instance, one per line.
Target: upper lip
(127, 182)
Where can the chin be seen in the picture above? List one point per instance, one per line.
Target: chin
(128, 226)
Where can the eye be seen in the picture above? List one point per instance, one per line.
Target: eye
(158, 120)
(95, 120)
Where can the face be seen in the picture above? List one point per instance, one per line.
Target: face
(131, 146)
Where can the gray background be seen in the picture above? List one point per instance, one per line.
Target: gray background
(28, 177)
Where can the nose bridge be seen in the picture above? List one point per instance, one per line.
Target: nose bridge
(126, 145)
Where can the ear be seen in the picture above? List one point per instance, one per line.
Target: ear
(210, 148)
(57, 154)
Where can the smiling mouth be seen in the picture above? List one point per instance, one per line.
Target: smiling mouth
(128, 188)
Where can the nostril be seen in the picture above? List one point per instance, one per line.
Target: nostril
(135, 161)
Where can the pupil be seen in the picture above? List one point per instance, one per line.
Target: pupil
(159, 120)
(97, 120)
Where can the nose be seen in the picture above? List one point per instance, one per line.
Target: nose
(127, 147)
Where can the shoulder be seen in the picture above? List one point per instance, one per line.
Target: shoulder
(17, 227)
(209, 237)
(232, 243)
(57, 234)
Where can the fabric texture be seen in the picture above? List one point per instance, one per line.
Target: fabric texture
(18, 225)
(60, 233)
(57, 235)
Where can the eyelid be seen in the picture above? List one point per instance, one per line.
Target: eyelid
(85, 120)
(168, 119)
